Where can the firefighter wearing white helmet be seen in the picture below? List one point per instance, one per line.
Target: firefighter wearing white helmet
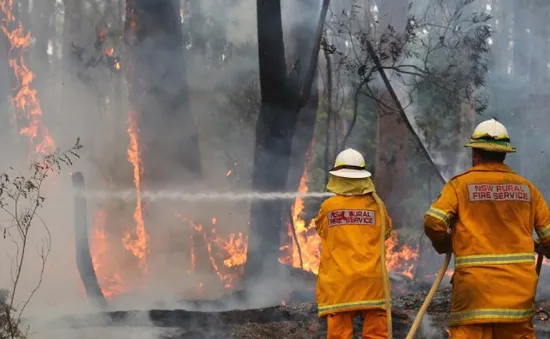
(491, 136)
(350, 164)
(486, 217)
(352, 275)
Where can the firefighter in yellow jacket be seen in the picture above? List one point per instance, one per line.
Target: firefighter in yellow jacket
(350, 280)
(486, 216)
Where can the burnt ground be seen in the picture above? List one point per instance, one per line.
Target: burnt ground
(295, 320)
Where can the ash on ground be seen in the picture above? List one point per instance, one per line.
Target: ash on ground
(291, 321)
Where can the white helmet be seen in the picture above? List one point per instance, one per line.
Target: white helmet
(491, 135)
(350, 164)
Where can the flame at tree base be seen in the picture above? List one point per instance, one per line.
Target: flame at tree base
(205, 250)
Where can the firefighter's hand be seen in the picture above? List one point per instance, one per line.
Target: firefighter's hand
(443, 246)
(542, 249)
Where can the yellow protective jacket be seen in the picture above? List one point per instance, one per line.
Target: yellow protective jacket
(350, 276)
(492, 212)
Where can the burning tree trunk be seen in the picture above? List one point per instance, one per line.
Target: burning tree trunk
(282, 100)
(158, 91)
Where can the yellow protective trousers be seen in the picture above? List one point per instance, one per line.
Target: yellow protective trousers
(340, 325)
(523, 330)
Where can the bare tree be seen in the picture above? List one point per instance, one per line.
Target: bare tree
(437, 55)
(21, 200)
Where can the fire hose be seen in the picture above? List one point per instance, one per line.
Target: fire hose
(385, 275)
(435, 286)
(429, 297)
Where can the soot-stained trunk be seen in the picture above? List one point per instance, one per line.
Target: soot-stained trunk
(159, 92)
(303, 37)
(282, 99)
(274, 132)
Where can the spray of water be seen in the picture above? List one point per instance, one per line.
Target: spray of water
(200, 196)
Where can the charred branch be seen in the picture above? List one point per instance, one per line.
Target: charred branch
(372, 53)
(84, 262)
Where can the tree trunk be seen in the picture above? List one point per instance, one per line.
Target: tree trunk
(196, 27)
(392, 134)
(303, 36)
(43, 30)
(503, 36)
(520, 71)
(158, 91)
(282, 100)
(274, 131)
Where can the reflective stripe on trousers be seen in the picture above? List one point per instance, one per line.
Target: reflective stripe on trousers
(491, 314)
(494, 259)
(356, 305)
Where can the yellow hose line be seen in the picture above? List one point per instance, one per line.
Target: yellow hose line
(429, 297)
(385, 276)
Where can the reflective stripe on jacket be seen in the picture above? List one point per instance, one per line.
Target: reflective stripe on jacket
(350, 276)
(493, 212)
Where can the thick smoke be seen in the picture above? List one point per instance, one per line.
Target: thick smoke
(83, 98)
(91, 102)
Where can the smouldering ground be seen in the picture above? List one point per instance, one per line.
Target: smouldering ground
(297, 320)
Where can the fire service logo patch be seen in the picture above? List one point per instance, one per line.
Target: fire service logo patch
(351, 217)
(499, 192)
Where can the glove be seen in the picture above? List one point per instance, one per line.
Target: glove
(444, 246)
(542, 249)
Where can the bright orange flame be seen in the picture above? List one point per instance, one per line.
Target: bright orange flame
(308, 241)
(136, 241)
(401, 261)
(110, 282)
(225, 254)
(25, 100)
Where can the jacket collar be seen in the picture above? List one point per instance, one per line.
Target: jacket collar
(490, 167)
